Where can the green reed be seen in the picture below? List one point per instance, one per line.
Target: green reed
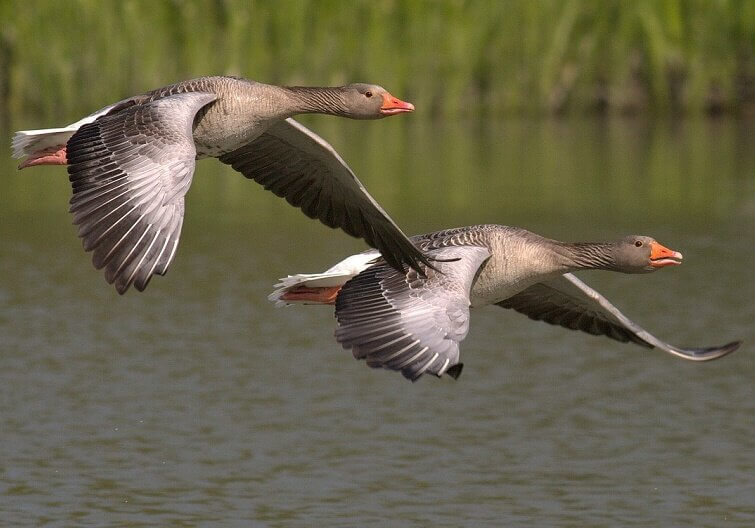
(493, 57)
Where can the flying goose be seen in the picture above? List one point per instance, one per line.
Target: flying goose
(131, 163)
(414, 324)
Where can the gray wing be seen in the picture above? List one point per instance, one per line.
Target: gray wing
(569, 302)
(130, 171)
(402, 321)
(298, 165)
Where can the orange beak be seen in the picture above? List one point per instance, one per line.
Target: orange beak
(661, 256)
(394, 105)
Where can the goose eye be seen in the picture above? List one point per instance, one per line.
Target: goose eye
(368, 94)
(638, 243)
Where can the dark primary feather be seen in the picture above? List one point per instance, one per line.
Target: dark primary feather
(542, 302)
(296, 164)
(129, 171)
(569, 302)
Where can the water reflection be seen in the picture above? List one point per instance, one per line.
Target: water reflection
(198, 402)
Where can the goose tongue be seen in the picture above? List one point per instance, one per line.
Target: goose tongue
(394, 105)
(661, 256)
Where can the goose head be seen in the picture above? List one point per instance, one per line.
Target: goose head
(643, 254)
(370, 101)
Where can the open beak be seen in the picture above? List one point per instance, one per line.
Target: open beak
(394, 105)
(661, 256)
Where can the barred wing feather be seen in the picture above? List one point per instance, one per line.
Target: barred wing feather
(402, 321)
(130, 171)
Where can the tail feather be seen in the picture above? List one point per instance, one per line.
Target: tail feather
(338, 275)
(308, 280)
(28, 142)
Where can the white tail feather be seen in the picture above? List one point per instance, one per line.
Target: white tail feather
(338, 275)
(29, 142)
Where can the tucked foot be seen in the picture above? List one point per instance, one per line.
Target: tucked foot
(304, 294)
(48, 156)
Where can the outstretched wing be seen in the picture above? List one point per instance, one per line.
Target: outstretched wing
(298, 165)
(402, 321)
(569, 302)
(130, 171)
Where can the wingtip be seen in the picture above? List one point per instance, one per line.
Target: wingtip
(728, 348)
(420, 265)
(731, 347)
(711, 353)
(428, 260)
(455, 370)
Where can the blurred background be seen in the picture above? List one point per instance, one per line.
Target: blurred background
(464, 59)
(197, 402)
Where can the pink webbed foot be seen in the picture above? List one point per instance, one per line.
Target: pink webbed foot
(326, 295)
(48, 156)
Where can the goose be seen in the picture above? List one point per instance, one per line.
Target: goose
(131, 163)
(414, 324)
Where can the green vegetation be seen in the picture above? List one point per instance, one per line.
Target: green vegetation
(62, 59)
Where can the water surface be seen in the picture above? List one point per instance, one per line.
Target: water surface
(199, 403)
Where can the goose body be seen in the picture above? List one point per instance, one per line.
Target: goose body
(131, 163)
(415, 324)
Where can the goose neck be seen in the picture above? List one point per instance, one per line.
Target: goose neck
(588, 255)
(317, 100)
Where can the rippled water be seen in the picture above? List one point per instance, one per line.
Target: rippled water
(199, 403)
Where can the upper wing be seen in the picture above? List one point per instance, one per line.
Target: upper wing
(569, 302)
(402, 321)
(298, 165)
(130, 170)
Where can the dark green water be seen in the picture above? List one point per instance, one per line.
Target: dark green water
(197, 403)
